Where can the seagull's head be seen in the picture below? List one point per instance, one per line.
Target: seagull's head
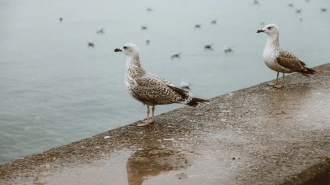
(129, 49)
(270, 29)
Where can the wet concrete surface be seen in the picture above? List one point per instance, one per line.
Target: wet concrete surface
(258, 135)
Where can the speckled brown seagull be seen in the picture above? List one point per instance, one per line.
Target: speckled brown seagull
(280, 60)
(150, 89)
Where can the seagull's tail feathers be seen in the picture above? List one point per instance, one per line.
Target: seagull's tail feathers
(187, 97)
(307, 71)
(194, 101)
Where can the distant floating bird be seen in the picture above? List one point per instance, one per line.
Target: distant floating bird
(214, 21)
(208, 46)
(298, 11)
(290, 4)
(280, 60)
(90, 44)
(61, 19)
(256, 2)
(184, 84)
(145, 27)
(228, 49)
(262, 23)
(175, 55)
(198, 25)
(323, 9)
(300, 18)
(150, 89)
(147, 39)
(149, 9)
(100, 31)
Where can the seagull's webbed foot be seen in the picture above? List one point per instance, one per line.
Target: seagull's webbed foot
(145, 123)
(278, 86)
(271, 84)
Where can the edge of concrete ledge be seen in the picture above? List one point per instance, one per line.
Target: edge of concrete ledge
(317, 174)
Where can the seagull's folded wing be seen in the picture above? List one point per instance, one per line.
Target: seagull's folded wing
(287, 60)
(155, 90)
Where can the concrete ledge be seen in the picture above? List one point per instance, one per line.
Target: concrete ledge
(258, 135)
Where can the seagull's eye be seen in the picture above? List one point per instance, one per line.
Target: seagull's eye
(125, 47)
(270, 28)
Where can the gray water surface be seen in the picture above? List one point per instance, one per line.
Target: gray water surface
(54, 89)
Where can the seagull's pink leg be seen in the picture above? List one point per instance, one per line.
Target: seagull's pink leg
(280, 86)
(153, 114)
(272, 83)
(146, 122)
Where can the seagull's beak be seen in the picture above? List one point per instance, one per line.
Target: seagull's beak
(118, 50)
(259, 31)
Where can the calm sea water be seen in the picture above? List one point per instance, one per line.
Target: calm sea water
(55, 90)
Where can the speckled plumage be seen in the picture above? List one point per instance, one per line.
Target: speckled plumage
(148, 88)
(151, 89)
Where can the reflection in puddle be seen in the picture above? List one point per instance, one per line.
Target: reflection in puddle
(144, 164)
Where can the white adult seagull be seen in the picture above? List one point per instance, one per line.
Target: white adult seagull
(280, 60)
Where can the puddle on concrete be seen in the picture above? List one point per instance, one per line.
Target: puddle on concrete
(124, 167)
(144, 166)
(148, 163)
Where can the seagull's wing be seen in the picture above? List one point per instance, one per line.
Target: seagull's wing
(288, 60)
(152, 89)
